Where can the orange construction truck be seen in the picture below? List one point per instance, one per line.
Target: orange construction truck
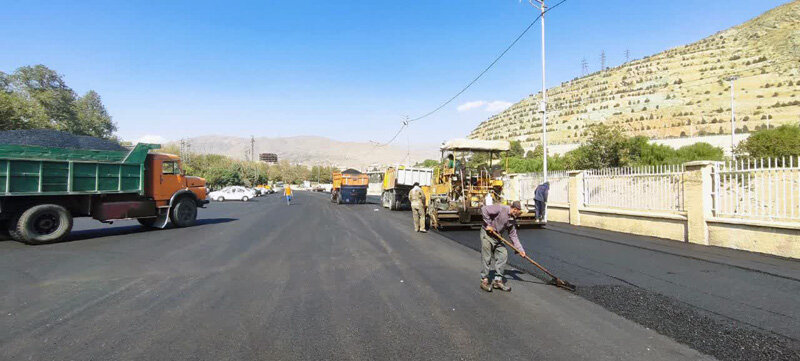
(43, 188)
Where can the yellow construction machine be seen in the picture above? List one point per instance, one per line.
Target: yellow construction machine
(469, 176)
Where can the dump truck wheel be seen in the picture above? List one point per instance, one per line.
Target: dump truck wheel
(184, 213)
(392, 201)
(45, 223)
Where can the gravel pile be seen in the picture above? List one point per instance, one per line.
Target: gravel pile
(702, 331)
(54, 138)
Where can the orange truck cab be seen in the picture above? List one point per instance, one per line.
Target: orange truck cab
(176, 195)
(165, 180)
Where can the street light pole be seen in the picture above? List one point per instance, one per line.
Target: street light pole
(543, 106)
(733, 117)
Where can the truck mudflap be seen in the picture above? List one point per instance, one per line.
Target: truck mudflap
(201, 203)
(163, 218)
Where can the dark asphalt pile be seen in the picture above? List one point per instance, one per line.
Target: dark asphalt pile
(706, 333)
(54, 138)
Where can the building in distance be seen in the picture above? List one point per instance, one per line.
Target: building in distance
(268, 158)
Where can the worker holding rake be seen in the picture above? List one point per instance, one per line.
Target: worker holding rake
(498, 218)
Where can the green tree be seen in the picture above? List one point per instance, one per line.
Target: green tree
(516, 149)
(783, 141)
(700, 151)
(428, 163)
(92, 117)
(606, 147)
(36, 97)
(49, 93)
(537, 152)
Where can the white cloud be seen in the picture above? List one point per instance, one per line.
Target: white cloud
(471, 105)
(497, 106)
(150, 138)
(492, 107)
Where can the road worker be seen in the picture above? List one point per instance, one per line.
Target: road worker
(287, 192)
(540, 198)
(417, 198)
(498, 218)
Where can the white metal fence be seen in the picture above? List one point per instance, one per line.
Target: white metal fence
(559, 186)
(765, 189)
(644, 188)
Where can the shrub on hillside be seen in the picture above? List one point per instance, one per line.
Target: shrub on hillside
(783, 141)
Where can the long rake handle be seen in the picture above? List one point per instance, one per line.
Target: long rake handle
(557, 280)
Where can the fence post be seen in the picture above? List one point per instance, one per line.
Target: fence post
(698, 186)
(575, 197)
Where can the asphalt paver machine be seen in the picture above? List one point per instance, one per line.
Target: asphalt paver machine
(469, 176)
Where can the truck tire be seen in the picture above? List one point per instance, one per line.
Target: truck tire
(392, 201)
(183, 213)
(385, 199)
(45, 223)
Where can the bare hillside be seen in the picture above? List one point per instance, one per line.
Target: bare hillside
(681, 92)
(312, 150)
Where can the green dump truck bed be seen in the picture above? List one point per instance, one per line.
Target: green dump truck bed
(33, 170)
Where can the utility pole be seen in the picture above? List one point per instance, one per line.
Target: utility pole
(543, 107)
(733, 117)
(603, 60)
(584, 67)
(252, 159)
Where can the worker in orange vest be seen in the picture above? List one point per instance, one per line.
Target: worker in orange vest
(287, 192)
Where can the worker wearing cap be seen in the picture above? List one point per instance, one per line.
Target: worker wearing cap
(417, 198)
(498, 218)
(540, 198)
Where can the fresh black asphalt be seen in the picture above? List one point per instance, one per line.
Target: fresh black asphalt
(314, 280)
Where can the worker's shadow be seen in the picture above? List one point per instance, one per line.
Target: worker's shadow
(515, 275)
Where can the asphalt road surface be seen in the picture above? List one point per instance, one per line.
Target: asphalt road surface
(315, 280)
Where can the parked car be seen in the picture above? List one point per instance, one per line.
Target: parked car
(232, 193)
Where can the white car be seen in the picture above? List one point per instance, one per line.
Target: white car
(236, 193)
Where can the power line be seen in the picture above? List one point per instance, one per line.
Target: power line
(408, 121)
(490, 65)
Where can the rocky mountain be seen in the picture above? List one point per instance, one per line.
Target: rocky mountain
(312, 150)
(680, 93)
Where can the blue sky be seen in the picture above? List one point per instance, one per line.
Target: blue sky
(348, 70)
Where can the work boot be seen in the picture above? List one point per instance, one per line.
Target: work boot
(498, 284)
(485, 285)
